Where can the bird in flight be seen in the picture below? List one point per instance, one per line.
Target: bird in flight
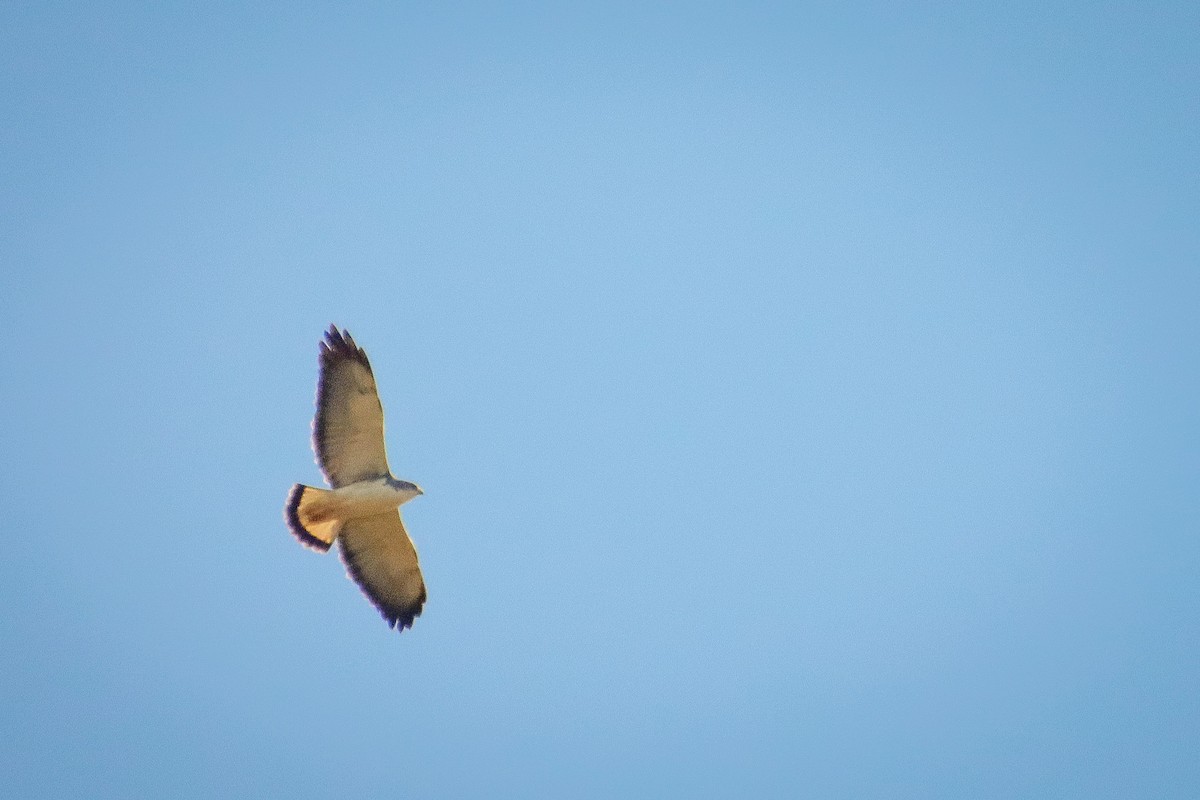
(362, 509)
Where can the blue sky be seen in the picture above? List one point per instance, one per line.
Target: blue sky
(805, 398)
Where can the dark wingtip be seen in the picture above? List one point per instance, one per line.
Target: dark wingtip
(292, 517)
(340, 344)
(401, 620)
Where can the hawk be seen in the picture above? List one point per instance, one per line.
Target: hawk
(362, 509)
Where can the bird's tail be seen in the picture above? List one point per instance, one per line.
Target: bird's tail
(308, 516)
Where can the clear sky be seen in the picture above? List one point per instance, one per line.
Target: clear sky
(806, 397)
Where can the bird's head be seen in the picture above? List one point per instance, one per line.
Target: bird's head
(406, 489)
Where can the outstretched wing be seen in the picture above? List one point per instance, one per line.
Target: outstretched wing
(348, 429)
(383, 562)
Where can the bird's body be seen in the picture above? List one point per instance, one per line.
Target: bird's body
(361, 511)
(362, 499)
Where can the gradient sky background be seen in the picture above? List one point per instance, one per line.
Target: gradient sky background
(805, 396)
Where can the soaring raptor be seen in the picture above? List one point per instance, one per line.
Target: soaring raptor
(362, 510)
